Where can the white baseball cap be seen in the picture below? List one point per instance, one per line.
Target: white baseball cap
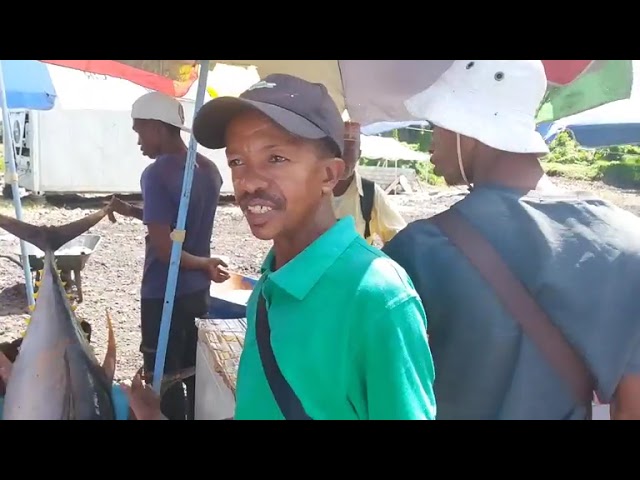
(161, 107)
(493, 101)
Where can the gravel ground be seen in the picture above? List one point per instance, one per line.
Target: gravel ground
(112, 275)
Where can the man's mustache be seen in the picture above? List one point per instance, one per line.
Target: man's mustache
(278, 202)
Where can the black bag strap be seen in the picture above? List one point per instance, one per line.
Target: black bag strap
(366, 204)
(520, 304)
(285, 397)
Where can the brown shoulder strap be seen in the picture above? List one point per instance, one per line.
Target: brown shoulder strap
(519, 303)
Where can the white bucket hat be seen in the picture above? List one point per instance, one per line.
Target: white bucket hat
(493, 101)
(161, 107)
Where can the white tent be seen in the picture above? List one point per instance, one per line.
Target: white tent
(85, 144)
(385, 148)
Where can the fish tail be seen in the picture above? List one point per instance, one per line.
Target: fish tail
(52, 238)
(29, 233)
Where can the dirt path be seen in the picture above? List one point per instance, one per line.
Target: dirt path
(111, 278)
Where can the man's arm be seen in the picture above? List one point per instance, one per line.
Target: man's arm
(386, 221)
(160, 238)
(126, 209)
(396, 364)
(158, 215)
(135, 212)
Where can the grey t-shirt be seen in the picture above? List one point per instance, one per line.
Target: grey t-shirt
(580, 258)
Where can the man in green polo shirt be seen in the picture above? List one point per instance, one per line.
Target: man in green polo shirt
(335, 328)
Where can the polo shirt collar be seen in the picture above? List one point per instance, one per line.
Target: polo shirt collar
(302, 273)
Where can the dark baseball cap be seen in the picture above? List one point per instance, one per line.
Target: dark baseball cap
(302, 108)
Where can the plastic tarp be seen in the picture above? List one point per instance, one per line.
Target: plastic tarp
(375, 90)
(371, 90)
(616, 123)
(28, 85)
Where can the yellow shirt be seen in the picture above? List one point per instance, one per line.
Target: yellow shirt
(386, 222)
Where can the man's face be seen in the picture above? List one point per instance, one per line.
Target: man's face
(149, 137)
(444, 155)
(278, 179)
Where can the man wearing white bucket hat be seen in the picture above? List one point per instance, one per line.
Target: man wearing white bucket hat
(530, 291)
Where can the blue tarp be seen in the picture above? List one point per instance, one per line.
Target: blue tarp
(28, 85)
(616, 123)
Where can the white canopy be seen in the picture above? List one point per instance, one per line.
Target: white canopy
(385, 148)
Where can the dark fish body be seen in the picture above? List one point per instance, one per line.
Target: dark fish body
(56, 376)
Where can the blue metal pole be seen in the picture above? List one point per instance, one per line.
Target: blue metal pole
(178, 238)
(10, 161)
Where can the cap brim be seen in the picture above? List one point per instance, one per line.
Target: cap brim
(211, 122)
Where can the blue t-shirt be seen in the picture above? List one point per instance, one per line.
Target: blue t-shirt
(580, 259)
(161, 185)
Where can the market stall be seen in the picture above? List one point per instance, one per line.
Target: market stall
(368, 90)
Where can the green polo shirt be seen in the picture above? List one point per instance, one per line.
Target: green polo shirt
(348, 331)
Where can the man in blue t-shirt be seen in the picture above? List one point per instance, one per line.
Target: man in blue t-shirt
(158, 120)
(578, 257)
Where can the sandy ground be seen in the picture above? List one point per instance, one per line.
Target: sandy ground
(112, 275)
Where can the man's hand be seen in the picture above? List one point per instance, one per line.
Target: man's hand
(143, 400)
(217, 270)
(118, 206)
(123, 208)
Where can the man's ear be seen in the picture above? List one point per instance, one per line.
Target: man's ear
(333, 171)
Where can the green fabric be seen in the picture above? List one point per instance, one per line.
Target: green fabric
(606, 82)
(348, 331)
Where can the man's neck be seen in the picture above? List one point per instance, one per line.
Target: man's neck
(517, 171)
(288, 246)
(174, 147)
(343, 185)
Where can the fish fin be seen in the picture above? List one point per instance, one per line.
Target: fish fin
(52, 238)
(60, 235)
(109, 364)
(68, 408)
